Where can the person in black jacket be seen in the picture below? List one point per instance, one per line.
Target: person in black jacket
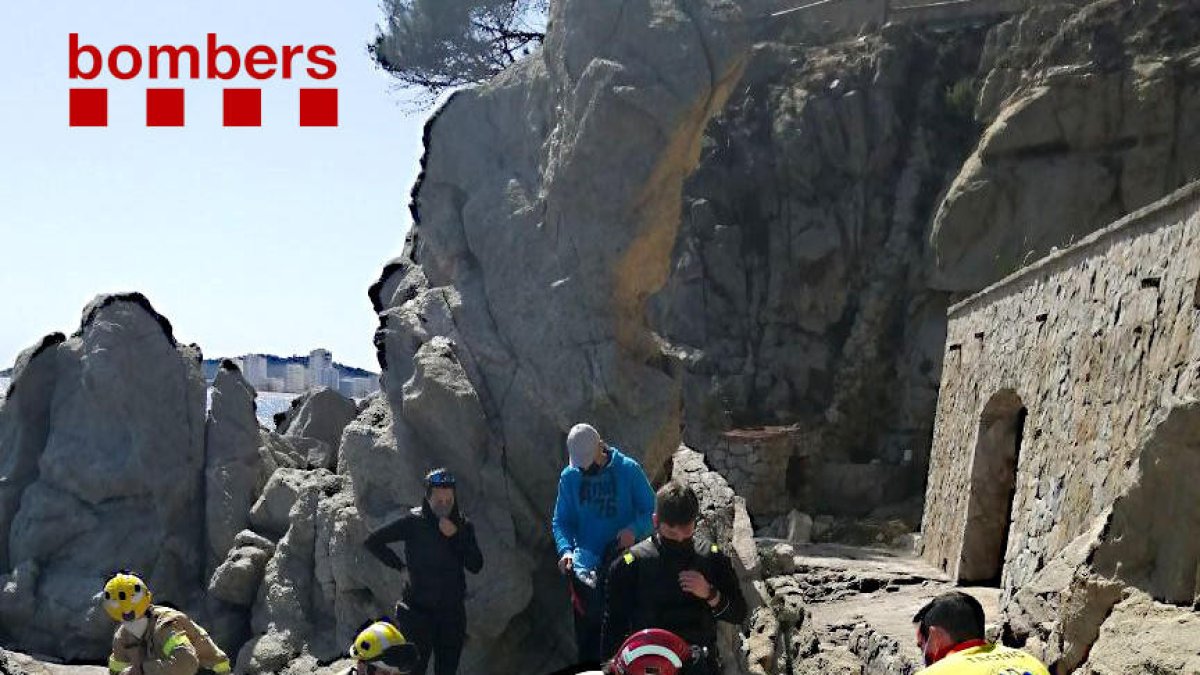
(673, 582)
(439, 544)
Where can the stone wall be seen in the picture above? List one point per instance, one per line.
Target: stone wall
(840, 16)
(1067, 362)
(755, 463)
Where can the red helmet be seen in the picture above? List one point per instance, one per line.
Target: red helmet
(652, 652)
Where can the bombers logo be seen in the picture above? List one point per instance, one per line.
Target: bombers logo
(165, 106)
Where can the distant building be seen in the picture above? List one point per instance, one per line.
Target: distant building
(321, 372)
(358, 387)
(254, 368)
(320, 358)
(296, 378)
(276, 384)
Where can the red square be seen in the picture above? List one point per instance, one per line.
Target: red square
(164, 107)
(243, 107)
(318, 107)
(89, 107)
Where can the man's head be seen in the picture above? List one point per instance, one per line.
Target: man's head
(126, 597)
(675, 510)
(948, 620)
(439, 492)
(585, 448)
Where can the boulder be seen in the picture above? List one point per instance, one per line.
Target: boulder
(24, 427)
(1081, 140)
(120, 475)
(1143, 636)
(280, 452)
(799, 527)
(320, 414)
(320, 585)
(269, 515)
(236, 580)
(235, 471)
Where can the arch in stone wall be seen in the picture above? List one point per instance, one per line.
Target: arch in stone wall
(992, 486)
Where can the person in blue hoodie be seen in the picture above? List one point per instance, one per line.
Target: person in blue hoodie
(605, 505)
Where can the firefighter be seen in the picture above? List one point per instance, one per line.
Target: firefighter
(152, 639)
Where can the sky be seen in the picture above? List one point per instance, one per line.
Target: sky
(258, 240)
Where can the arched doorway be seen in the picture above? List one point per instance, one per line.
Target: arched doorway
(993, 486)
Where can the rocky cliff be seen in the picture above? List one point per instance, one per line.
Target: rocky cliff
(770, 283)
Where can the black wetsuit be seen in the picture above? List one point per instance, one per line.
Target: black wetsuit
(432, 612)
(644, 592)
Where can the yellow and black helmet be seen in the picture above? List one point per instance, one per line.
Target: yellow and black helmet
(126, 597)
(382, 644)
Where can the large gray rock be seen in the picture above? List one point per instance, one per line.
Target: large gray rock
(284, 612)
(24, 427)
(798, 298)
(236, 580)
(1142, 636)
(1142, 547)
(235, 470)
(119, 482)
(320, 585)
(280, 452)
(552, 191)
(13, 663)
(1095, 130)
(269, 515)
(320, 414)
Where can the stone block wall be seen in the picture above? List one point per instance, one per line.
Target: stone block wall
(842, 16)
(755, 463)
(1065, 362)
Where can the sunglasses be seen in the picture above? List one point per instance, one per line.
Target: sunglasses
(441, 479)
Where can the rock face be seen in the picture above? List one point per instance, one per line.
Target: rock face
(800, 279)
(12, 663)
(105, 443)
(319, 416)
(571, 162)
(1099, 127)
(235, 469)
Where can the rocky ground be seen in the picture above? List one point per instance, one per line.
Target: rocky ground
(851, 608)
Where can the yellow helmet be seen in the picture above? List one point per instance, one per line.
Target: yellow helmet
(126, 597)
(382, 644)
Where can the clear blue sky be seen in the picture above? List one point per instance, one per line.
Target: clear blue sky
(248, 240)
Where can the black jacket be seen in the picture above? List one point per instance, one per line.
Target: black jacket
(435, 562)
(644, 592)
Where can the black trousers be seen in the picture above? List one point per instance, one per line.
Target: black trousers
(438, 634)
(588, 611)
(710, 664)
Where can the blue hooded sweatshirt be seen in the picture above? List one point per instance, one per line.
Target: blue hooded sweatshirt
(592, 509)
